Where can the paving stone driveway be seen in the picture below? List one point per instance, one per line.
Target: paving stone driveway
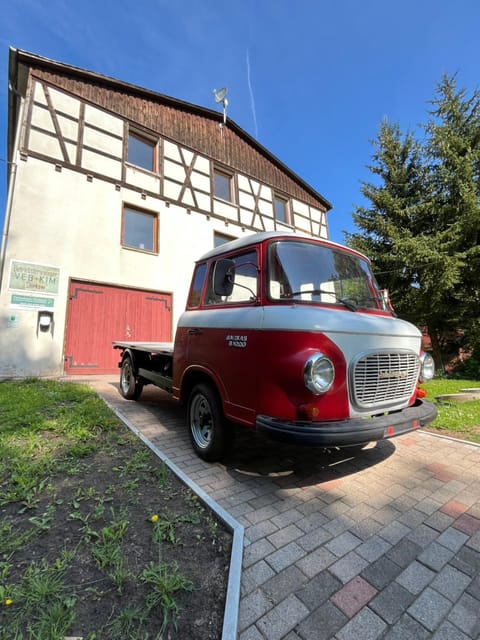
(382, 545)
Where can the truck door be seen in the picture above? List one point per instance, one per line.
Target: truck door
(224, 336)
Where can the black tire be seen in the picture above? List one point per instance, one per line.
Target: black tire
(210, 434)
(130, 387)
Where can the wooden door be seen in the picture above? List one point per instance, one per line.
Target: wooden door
(99, 314)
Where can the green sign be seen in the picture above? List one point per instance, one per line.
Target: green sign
(26, 276)
(31, 302)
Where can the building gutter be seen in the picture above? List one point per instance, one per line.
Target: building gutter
(14, 98)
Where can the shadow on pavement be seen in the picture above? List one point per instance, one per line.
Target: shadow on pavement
(299, 466)
(255, 456)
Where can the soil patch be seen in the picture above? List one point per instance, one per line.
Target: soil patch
(99, 525)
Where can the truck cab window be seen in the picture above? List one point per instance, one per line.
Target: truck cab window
(197, 285)
(308, 272)
(245, 281)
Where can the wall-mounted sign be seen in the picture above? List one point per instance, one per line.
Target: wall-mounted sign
(26, 276)
(31, 302)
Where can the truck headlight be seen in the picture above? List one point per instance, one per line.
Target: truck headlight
(318, 373)
(427, 367)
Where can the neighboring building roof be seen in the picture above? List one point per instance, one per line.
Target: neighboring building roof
(20, 62)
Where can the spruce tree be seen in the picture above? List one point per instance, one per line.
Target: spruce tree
(422, 226)
(453, 152)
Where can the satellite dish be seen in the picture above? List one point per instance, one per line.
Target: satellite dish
(220, 94)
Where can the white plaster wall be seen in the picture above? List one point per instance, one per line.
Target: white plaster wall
(75, 224)
(103, 120)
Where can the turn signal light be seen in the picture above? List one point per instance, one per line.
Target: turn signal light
(307, 412)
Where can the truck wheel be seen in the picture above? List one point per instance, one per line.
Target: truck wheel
(207, 426)
(130, 388)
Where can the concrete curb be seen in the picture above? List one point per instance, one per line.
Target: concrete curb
(230, 619)
(439, 435)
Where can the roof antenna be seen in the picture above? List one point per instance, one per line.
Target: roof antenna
(221, 96)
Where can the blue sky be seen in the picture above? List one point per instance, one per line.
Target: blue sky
(311, 80)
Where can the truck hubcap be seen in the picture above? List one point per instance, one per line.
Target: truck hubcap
(201, 422)
(126, 376)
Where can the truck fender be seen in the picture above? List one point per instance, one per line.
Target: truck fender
(196, 374)
(131, 386)
(131, 354)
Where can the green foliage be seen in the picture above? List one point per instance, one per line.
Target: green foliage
(44, 428)
(421, 226)
(164, 529)
(11, 538)
(127, 624)
(41, 597)
(164, 581)
(460, 419)
(106, 549)
(43, 521)
(470, 367)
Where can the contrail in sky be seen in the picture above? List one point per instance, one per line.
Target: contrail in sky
(252, 98)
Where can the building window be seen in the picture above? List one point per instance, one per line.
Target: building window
(141, 151)
(280, 208)
(221, 238)
(223, 185)
(139, 230)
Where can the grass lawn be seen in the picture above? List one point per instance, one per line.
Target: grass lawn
(456, 419)
(98, 539)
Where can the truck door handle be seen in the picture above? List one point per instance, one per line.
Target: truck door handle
(194, 332)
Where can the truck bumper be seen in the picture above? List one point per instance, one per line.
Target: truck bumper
(350, 432)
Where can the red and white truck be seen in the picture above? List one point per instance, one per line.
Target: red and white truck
(289, 335)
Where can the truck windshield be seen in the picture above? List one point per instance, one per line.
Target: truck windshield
(310, 272)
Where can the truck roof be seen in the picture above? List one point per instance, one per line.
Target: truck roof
(255, 238)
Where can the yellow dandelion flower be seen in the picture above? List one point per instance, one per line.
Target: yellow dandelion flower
(8, 602)
(154, 518)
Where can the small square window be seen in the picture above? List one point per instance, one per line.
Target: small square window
(221, 238)
(141, 152)
(139, 230)
(280, 207)
(222, 185)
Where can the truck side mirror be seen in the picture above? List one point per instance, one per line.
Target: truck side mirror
(223, 277)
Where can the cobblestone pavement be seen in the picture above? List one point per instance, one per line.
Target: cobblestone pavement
(384, 544)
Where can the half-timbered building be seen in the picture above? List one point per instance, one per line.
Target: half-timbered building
(113, 192)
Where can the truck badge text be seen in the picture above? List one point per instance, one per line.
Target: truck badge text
(236, 341)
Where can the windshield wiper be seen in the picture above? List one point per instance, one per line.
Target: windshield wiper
(317, 292)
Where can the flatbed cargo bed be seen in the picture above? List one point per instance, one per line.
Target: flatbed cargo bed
(163, 348)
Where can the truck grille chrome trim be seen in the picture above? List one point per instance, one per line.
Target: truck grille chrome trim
(382, 378)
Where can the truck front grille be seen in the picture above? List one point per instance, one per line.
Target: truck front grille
(381, 379)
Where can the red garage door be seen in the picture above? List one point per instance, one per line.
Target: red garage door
(99, 314)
